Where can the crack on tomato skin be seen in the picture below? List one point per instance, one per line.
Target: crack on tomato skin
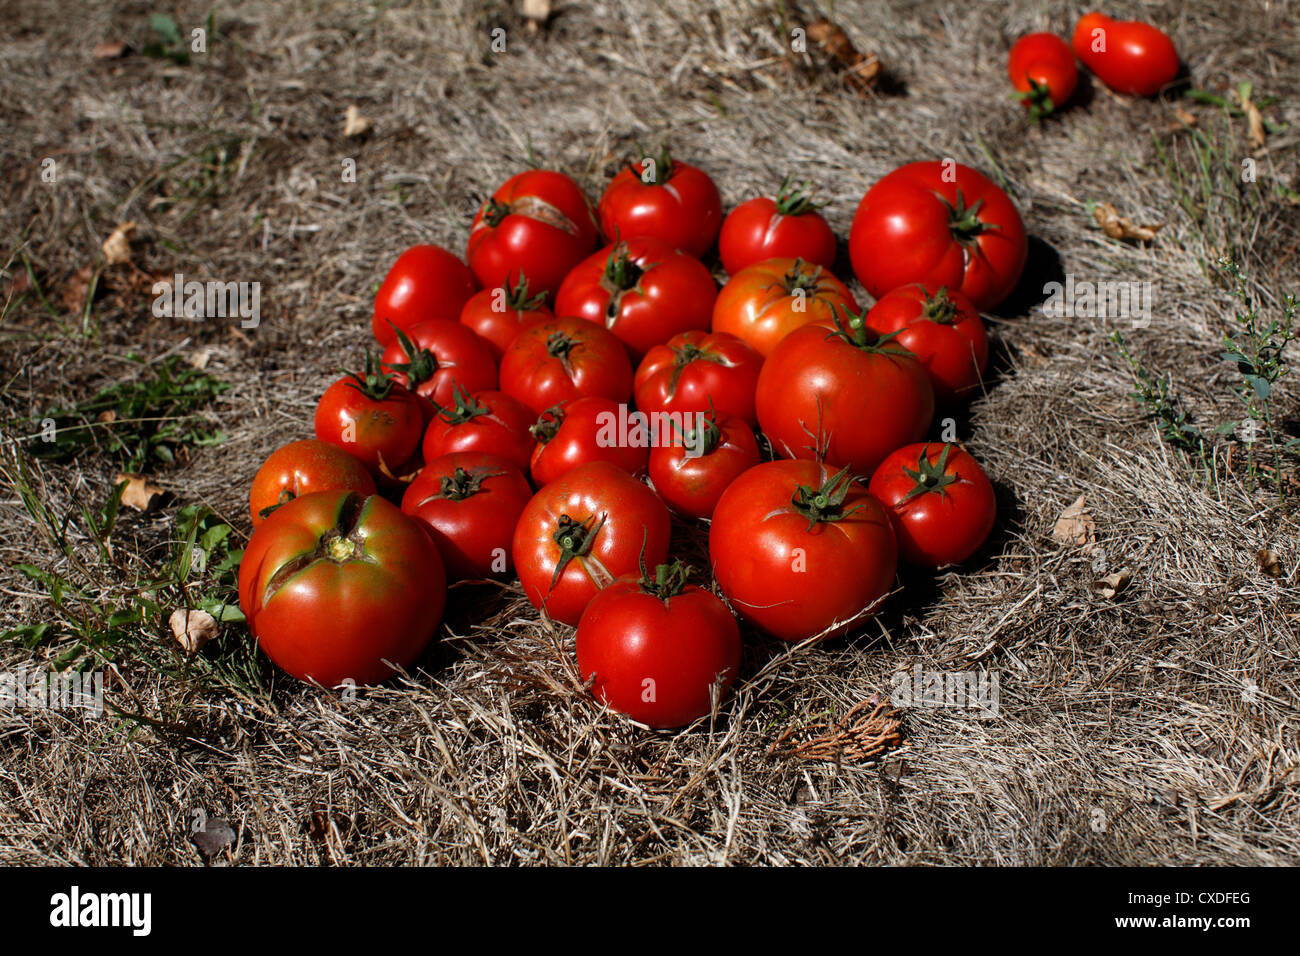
(539, 209)
(346, 529)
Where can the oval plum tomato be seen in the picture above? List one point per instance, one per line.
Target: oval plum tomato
(700, 372)
(643, 290)
(565, 358)
(434, 358)
(426, 282)
(940, 501)
(581, 532)
(692, 473)
(835, 388)
(943, 224)
(372, 418)
(539, 223)
(663, 199)
(301, 467)
(765, 302)
(787, 227)
(660, 650)
(489, 422)
(585, 429)
(1128, 56)
(338, 585)
(799, 551)
(498, 314)
(470, 503)
(944, 332)
(1041, 67)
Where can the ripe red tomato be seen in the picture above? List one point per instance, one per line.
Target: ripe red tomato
(787, 227)
(944, 332)
(1041, 67)
(335, 583)
(581, 532)
(492, 423)
(692, 473)
(470, 503)
(498, 314)
(940, 501)
(372, 418)
(585, 429)
(659, 650)
(538, 223)
(700, 372)
(301, 467)
(1127, 55)
(434, 358)
(765, 302)
(943, 224)
(565, 358)
(799, 551)
(643, 290)
(663, 199)
(840, 391)
(426, 282)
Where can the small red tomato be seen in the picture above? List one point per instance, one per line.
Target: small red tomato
(944, 332)
(538, 223)
(498, 314)
(300, 468)
(1128, 56)
(643, 290)
(426, 282)
(940, 501)
(583, 430)
(660, 651)
(1041, 67)
(692, 473)
(565, 358)
(765, 302)
(470, 503)
(433, 359)
(700, 372)
(663, 199)
(372, 418)
(492, 423)
(787, 227)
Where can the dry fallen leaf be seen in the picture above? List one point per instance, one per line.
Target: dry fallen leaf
(117, 247)
(215, 836)
(1118, 227)
(1075, 525)
(199, 358)
(1185, 116)
(110, 50)
(861, 71)
(1267, 562)
(73, 294)
(108, 416)
(139, 493)
(1112, 584)
(193, 628)
(354, 124)
(1254, 125)
(537, 12)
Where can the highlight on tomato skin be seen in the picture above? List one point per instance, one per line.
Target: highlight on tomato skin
(1129, 56)
(426, 282)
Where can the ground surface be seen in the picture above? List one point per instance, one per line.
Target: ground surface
(1155, 726)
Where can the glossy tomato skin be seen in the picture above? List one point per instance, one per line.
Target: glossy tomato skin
(700, 372)
(765, 302)
(657, 659)
(583, 430)
(643, 290)
(682, 208)
(857, 403)
(553, 362)
(335, 583)
(792, 577)
(446, 356)
(605, 515)
(488, 422)
(691, 483)
(302, 467)
(497, 315)
(470, 503)
(426, 282)
(945, 333)
(538, 223)
(760, 229)
(1129, 56)
(943, 225)
(934, 528)
(371, 429)
(1041, 66)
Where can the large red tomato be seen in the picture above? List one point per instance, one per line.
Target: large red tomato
(840, 393)
(498, 314)
(580, 533)
(940, 501)
(585, 429)
(489, 422)
(470, 503)
(337, 586)
(787, 227)
(1127, 55)
(657, 649)
(700, 372)
(426, 282)
(301, 467)
(643, 290)
(372, 418)
(943, 224)
(1041, 67)
(692, 473)
(944, 332)
(664, 199)
(799, 551)
(566, 358)
(539, 224)
(765, 302)
(435, 358)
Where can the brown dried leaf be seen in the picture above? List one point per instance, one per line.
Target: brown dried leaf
(108, 416)
(1075, 525)
(193, 628)
(861, 71)
(139, 493)
(354, 124)
(537, 12)
(1118, 227)
(74, 292)
(1255, 133)
(1267, 562)
(1185, 116)
(1112, 584)
(117, 247)
(111, 50)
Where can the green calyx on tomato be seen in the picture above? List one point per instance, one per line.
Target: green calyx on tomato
(494, 211)
(854, 330)
(559, 346)
(420, 365)
(621, 275)
(795, 200)
(930, 476)
(373, 383)
(1038, 97)
(661, 171)
(939, 308)
(466, 407)
(574, 539)
(705, 438)
(803, 275)
(826, 503)
(518, 299)
(668, 580)
(684, 356)
(462, 484)
(547, 425)
(964, 221)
